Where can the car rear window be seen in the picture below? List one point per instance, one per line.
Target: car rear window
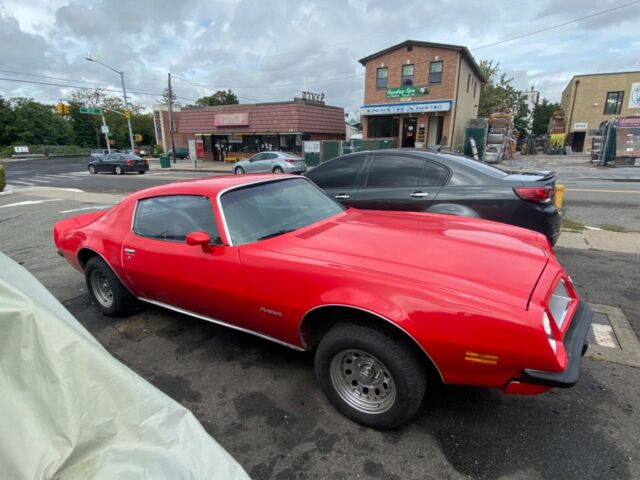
(476, 165)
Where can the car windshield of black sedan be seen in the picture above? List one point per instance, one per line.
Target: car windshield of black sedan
(264, 210)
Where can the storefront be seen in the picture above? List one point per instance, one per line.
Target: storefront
(233, 132)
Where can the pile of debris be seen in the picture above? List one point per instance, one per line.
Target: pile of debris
(499, 138)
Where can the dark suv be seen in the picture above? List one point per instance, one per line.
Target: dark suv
(423, 181)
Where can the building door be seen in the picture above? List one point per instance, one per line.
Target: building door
(434, 135)
(409, 132)
(577, 144)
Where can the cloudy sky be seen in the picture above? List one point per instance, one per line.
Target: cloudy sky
(271, 50)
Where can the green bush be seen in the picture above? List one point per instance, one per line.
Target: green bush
(157, 150)
(2, 178)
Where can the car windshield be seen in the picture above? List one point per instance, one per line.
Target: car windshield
(259, 211)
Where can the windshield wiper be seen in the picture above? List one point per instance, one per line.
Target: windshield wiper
(275, 234)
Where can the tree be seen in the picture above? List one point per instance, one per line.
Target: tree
(221, 97)
(7, 121)
(165, 97)
(541, 115)
(38, 124)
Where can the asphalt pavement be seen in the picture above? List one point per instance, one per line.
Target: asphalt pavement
(261, 402)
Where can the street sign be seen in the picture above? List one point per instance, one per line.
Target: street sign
(137, 137)
(105, 129)
(91, 111)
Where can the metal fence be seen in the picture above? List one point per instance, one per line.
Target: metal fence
(334, 148)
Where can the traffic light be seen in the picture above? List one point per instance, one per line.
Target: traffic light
(127, 113)
(60, 107)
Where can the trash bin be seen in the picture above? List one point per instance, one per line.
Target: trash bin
(164, 160)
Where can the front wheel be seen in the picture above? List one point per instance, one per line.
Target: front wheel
(92, 170)
(239, 171)
(141, 172)
(109, 294)
(371, 377)
(118, 170)
(278, 170)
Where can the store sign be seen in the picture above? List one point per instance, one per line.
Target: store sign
(235, 140)
(231, 119)
(412, 91)
(312, 147)
(313, 97)
(634, 97)
(629, 122)
(580, 125)
(415, 107)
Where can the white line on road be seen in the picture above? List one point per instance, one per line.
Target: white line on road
(30, 202)
(39, 180)
(604, 335)
(71, 177)
(22, 182)
(97, 207)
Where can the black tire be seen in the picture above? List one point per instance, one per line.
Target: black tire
(141, 172)
(123, 303)
(92, 170)
(238, 171)
(118, 170)
(406, 370)
(278, 170)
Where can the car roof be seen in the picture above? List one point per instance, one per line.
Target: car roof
(210, 186)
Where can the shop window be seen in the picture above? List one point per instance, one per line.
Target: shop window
(407, 75)
(383, 126)
(381, 77)
(435, 72)
(613, 103)
(468, 82)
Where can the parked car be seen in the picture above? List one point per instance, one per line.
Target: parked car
(97, 153)
(389, 301)
(271, 162)
(428, 181)
(181, 153)
(119, 163)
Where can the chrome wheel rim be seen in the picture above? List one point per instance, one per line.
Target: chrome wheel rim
(239, 171)
(362, 381)
(118, 170)
(101, 288)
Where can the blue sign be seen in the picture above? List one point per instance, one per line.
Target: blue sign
(414, 107)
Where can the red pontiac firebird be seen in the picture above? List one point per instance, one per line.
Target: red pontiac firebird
(390, 301)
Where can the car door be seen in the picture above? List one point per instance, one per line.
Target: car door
(271, 161)
(340, 177)
(397, 181)
(106, 163)
(165, 270)
(255, 163)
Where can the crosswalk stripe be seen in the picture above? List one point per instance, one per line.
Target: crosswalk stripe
(21, 183)
(39, 180)
(71, 177)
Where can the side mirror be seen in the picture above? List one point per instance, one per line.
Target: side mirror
(199, 238)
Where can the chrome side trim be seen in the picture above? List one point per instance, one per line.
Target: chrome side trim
(220, 322)
(228, 189)
(372, 313)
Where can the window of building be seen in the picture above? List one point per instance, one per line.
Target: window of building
(409, 48)
(407, 75)
(613, 103)
(383, 126)
(468, 82)
(435, 72)
(173, 217)
(475, 86)
(381, 77)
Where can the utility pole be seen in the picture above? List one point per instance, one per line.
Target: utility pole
(170, 94)
(106, 135)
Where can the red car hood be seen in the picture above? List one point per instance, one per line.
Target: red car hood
(466, 254)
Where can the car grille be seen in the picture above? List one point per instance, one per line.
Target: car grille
(559, 303)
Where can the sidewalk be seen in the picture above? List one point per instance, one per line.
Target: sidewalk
(187, 166)
(603, 240)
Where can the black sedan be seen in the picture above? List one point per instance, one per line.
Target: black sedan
(118, 163)
(424, 181)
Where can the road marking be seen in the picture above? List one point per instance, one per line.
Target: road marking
(30, 202)
(68, 176)
(39, 180)
(97, 207)
(593, 190)
(604, 335)
(22, 182)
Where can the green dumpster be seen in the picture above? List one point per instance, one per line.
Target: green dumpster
(164, 160)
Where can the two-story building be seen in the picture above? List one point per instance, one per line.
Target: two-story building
(422, 93)
(590, 99)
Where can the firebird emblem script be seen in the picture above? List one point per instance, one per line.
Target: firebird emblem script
(270, 312)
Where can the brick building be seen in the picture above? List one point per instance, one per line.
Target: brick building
(239, 131)
(422, 93)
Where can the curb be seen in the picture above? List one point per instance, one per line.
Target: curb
(6, 193)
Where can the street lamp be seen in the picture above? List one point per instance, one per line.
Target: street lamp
(124, 94)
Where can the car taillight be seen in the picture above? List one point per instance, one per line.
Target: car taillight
(130, 162)
(146, 162)
(541, 195)
(290, 160)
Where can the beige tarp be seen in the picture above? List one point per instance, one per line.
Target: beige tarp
(69, 410)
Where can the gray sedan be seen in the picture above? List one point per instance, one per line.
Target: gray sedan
(271, 162)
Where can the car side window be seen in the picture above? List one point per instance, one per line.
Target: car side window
(173, 217)
(395, 171)
(434, 174)
(339, 173)
(272, 156)
(258, 157)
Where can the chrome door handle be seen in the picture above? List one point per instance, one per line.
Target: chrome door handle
(130, 251)
(419, 194)
(341, 196)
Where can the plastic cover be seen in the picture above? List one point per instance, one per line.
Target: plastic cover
(69, 410)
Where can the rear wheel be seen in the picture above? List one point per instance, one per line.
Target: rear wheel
(118, 170)
(239, 171)
(278, 170)
(109, 294)
(92, 169)
(370, 376)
